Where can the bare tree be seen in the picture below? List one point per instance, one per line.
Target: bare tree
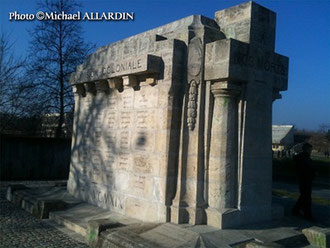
(57, 47)
(17, 96)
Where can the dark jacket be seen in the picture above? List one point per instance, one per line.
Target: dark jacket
(305, 171)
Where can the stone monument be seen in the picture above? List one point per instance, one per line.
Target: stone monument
(175, 124)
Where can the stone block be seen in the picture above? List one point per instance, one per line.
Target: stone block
(17, 198)
(317, 236)
(96, 227)
(223, 219)
(249, 22)
(123, 238)
(238, 58)
(42, 209)
(12, 188)
(143, 209)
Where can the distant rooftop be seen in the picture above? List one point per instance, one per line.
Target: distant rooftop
(280, 132)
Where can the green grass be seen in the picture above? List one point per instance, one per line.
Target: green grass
(295, 195)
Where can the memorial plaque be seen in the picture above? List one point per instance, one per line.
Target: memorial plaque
(124, 140)
(125, 121)
(142, 164)
(147, 98)
(113, 101)
(111, 120)
(124, 161)
(142, 117)
(136, 65)
(127, 100)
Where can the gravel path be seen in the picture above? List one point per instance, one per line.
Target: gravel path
(20, 229)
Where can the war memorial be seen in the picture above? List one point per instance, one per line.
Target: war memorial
(174, 124)
(172, 137)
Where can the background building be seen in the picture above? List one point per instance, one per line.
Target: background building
(282, 137)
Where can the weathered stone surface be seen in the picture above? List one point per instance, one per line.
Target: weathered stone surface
(317, 236)
(40, 201)
(17, 225)
(233, 59)
(137, 65)
(95, 227)
(174, 124)
(249, 22)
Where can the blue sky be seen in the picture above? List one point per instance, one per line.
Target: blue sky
(303, 34)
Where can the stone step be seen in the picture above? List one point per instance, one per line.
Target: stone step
(77, 217)
(39, 201)
(103, 228)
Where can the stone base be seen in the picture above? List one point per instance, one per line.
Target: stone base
(103, 228)
(317, 236)
(40, 201)
(227, 218)
(187, 215)
(95, 227)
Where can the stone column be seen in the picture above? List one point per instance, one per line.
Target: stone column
(222, 180)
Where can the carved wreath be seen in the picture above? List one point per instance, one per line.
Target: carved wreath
(192, 104)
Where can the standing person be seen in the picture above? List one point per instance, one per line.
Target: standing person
(305, 173)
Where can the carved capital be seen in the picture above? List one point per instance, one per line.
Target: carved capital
(225, 89)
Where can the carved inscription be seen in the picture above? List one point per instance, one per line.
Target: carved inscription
(142, 164)
(147, 97)
(141, 119)
(143, 98)
(107, 198)
(110, 160)
(145, 63)
(125, 120)
(115, 68)
(124, 161)
(98, 127)
(97, 136)
(127, 99)
(112, 102)
(262, 63)
(139, 183)
(111, 120)
(96, 161)
(110, 139)
(124, 140)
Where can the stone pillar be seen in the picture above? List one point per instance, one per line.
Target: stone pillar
(223, 179)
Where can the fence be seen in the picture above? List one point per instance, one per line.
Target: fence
(34, 158)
